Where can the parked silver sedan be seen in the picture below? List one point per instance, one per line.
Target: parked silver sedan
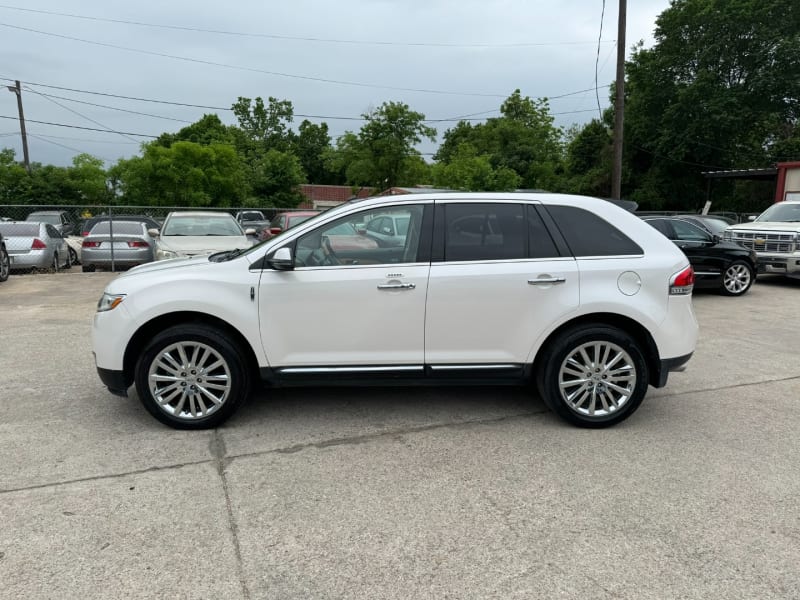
(32, 245)
(132, 245)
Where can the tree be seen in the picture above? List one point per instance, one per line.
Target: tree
(524, 140)
(267, 125)
(382, 154)
(311, 146)
(209, 129)
(277, 177)
(15, 182)
(185, 174)
(468, 171)
(588, 160)
(720, 89)
(89, 177)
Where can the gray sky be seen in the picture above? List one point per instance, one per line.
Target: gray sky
(478, 52)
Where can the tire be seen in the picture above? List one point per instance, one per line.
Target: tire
(737, 278)
(87, 268)
(54, 267)
(5, 264)
(68, 264)
(575, 384)
(73, 256)
(189, 346)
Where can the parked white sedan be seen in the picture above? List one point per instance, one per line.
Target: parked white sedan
(197, 233)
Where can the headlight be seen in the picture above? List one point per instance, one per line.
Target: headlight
(109, 301)
(162, 253)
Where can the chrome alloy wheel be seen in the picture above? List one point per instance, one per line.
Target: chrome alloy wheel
(737, 278)
(189, 380)
(597, 379)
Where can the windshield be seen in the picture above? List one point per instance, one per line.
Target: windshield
(199, 225)
(296, 220)
(781, 212)
(252, 216)
(40, 218)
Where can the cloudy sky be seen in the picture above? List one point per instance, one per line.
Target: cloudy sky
(445, 58)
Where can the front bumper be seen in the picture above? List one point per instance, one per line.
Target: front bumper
(787, 264)
(114, 381)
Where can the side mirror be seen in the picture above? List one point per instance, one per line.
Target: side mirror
(275, 230)
(153, 232)
(751, 218)
(250, 231)
(282, 259)
(717, 238)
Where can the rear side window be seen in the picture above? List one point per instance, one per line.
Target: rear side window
(663, 226)
(587, 234)
(484, 232)
(540, 243)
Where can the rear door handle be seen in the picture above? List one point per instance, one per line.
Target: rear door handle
(547, 281)
(397, 286)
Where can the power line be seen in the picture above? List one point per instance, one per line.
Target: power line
(252, 69)
(147, 135)
(597, 59)
(303, 39)
(57, 103)
(74, 139)
(125, 110)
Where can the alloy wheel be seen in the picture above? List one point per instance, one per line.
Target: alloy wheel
(737, 278)
(597, 379)
(189, 380)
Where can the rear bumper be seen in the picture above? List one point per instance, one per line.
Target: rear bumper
(31, 260)
(669, 365)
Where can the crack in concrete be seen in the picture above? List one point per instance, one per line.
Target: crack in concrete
(218, 451)
(728, 387)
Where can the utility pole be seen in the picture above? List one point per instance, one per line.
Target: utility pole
(619, 105)
(17, 89)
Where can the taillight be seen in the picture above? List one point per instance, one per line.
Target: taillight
(86, 244)
(84, 233)
(38, 244)
(682, 283)
(138, 244)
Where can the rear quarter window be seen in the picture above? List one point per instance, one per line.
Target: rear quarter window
(588, 234)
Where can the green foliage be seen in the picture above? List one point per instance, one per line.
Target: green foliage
(720, 89)
(89, 177)
(184, 174)
(523, 140)
(311, 147)
(588, 160)
(382, 154)
(267, 125)
(15, 184)
(468, 171)
(277, 176)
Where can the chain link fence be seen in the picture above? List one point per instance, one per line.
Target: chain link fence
(42, 238)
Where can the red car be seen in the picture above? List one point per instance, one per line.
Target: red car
(285, 221)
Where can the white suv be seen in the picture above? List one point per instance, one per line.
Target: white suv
(572, 296)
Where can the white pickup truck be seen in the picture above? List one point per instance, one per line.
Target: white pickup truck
(775, 236)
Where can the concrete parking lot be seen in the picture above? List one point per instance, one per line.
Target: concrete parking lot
(400, 493)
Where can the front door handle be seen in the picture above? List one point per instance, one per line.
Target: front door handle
(397, 286)
(547, 281)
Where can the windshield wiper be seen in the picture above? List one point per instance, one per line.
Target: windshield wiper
(226, 255)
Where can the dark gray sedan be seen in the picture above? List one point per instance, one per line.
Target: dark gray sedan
(118, 244)
(35, 246)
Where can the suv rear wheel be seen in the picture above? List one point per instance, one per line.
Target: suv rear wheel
(5, 264)
(192, 377)
(594, 376)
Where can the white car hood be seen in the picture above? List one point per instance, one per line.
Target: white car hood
(206, 244)
(766, 226)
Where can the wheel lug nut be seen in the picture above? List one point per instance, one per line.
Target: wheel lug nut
(183, 384)
(183, 374)
(194, 372)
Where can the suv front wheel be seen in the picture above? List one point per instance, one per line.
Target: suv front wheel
(192, 377)
(594, 376)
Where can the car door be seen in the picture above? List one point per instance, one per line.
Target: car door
(497, 283)
(349, 307)
(698, 246)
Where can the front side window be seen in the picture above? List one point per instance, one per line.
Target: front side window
(484, 232)
(588, 234)
(348, 242)
(688, 232)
